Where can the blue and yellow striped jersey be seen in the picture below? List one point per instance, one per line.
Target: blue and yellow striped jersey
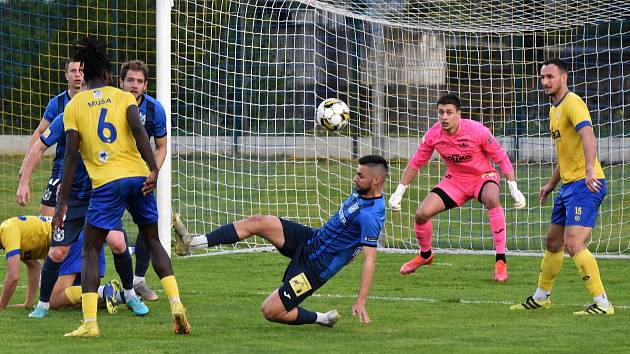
(106, 143)
(28, 236)
(565, 119)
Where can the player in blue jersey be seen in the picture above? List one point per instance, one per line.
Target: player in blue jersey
(103, 123)
(576, 206)
(316, 254)
(57, 259)
(74, 77)
(134, 76)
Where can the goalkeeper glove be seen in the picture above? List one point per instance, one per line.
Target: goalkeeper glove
(396, 198)
(519, 198)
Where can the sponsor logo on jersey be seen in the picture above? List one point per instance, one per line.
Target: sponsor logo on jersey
(555, 134)
(458, 157)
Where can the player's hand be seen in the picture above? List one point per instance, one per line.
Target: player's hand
(60, 215)
(396, 197)
(544, 192)
(592, 183)
(23, 195)
(519, 198)
(150, 182)
(359, 309)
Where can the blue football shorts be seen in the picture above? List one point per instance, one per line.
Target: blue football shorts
(576, 205)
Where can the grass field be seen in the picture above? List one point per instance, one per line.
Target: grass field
(451, 306)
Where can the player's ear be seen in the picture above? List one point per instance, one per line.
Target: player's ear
(121, 83)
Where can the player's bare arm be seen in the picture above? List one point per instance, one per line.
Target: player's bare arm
(33, 269)
(23, 194)
(550, 186)
(160, 151)
(142, 142)
(590, 151)
(369, 265)
(70, 161)
(10, 280)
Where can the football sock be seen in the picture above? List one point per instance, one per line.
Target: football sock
(137, 279)
(74, 293)
(100, 291)
(500, 257)
(497, 225)
(305, 317)
(124, 267)
(587, 266)
(321, 318)
(424, 235)
(169, 283)
(129, 293)
(143, 258)
(50, 273)
(89, 302)
(198, 242)
(226, 234)
(602, 300)
(43, 304)
(549, 269)
(425, 254)
(541, 294)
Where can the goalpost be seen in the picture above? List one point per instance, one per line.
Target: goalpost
(243, 79)
(248, 75)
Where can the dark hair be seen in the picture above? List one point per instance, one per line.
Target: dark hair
(373, 161)
(134, 65)
(561, 64)
(68, 61)
(93, 54)
(450, 98)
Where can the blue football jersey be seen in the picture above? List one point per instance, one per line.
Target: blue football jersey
(56, 106)
(153, 116)
(357, 223)
(55, 134)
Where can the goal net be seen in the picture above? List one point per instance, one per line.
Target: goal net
(248, 76)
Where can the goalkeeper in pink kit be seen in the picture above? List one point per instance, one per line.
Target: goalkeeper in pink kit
(466, 146)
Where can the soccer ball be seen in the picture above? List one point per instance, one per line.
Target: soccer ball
(332, 114)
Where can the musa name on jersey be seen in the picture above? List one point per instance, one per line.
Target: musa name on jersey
(106, 143)
(28, 236)
(565, 120)
(358, 222)
(466, 153)
(153, 116)
(55, 134)
(56, 106)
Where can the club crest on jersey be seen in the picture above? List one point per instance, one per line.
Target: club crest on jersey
(47, 194)
(143, 118)
(103, 156)
(58, 235)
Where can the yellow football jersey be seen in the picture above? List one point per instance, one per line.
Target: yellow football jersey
(27, 235)
(565, 119)
(107, 146)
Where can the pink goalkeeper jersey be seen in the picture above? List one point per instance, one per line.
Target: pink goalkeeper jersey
(467, 153)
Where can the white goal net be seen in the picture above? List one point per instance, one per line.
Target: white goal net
(248, 75)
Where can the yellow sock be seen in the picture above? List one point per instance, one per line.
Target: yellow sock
(73, 294)
(169, 283)
(89, 302)
(549, 269)
(589, 271)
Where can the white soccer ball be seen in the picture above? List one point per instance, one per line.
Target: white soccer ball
(332, 114)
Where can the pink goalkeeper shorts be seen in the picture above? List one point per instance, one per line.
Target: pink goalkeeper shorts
(460, 190)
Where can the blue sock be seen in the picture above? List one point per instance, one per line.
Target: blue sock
(143, 257)
(50, 273)
(305, 316)
(124, 268)
(224, 235)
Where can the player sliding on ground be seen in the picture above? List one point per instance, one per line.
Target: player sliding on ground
(466, 146)
(104, 123)
(316, 254)
(577, 204)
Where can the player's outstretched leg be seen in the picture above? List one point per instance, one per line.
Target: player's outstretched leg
(143, 260)
(274, 310)
(164, 269)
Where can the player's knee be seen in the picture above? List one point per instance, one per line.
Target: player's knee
(58, 253)
(554, 245)
(421, 218)
(116, 242)
(256, 223)
(269, 312)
